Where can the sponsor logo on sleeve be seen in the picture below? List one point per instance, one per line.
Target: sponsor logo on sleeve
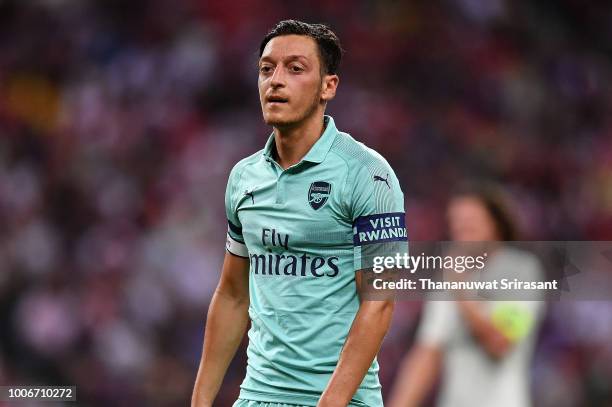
(379, 228)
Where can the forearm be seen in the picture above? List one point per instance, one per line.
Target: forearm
(490, 338)
(225, 327)
(360, 348)
(416, 377)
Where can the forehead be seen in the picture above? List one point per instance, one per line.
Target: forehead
(466, 203)
(290, 46)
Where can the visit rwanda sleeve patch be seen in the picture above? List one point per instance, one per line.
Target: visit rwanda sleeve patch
(380, 228)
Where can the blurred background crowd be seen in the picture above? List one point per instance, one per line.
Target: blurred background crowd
(120, 121)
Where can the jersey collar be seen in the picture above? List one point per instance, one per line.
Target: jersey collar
(319, 150)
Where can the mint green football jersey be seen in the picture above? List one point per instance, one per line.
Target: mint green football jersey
(305, 231)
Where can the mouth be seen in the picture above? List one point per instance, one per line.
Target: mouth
(276, 100)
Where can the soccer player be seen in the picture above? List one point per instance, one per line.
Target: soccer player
(481, 348)
(305, 215)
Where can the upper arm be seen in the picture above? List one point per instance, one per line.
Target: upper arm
(377, 211)
(234, 281)
(235, 243)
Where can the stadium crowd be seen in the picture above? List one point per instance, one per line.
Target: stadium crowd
(120, 121)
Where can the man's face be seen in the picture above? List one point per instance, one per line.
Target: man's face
(291, 87)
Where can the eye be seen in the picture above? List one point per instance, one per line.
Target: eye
(264, 69)
(296, 68)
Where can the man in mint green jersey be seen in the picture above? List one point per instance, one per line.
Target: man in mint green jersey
(306, 216)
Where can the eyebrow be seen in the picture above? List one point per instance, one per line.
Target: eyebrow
(289, 58)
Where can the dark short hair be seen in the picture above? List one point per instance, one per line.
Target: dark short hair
(330, 50)
(494, 201)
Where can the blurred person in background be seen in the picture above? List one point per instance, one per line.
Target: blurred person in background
(481, 349)
(292, 264)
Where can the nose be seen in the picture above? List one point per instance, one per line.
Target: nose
(278, 78)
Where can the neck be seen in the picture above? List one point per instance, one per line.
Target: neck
(293, 142)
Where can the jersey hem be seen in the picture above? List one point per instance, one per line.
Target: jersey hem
(278, 398)
(303, 400)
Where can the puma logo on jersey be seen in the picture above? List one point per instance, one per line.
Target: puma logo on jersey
(250, 193)
(385, 180)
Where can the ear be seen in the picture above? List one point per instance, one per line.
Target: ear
(329, 84)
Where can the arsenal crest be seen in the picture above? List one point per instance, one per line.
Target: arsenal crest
(318, 194)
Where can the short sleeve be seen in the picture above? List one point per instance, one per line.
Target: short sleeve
(377, 211)
(235, 241)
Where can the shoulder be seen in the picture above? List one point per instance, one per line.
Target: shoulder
(370, 180)
(512, 254)
(358, 156)
(523, 264)
(244, 163)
